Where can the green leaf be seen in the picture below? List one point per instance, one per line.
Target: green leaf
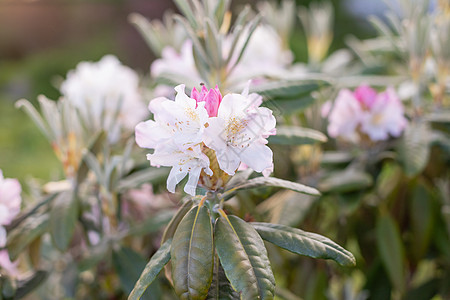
(63, 219)
(422, 220)
(286, 89)
(221, 288)
(26, 286)
(274, 182)
(176, 219)
(143, 176)
(244, 258)
(413, 148)
(391, 250)
(152, 224)
(192, 255)
(293, 135)
(304, 243)
(25, 233)
(95, 145)
(289, 106)
(346, 181)
(152, 269)
(170, 231)
(129, 266)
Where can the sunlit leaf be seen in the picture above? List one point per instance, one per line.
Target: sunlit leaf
(304, 243)
(244, 258)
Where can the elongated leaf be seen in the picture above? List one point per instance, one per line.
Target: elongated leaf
(192, 255)
(422, 219)
(304, 243)
(129, 265)
(285, 89)
(274, 182)
(414, 148)
(26, 286)
(289, 106)
(220, 286)
(142, 176)
(244, 258)
(152, 269)
(391, 250)
(95, 145)
(63, 219)
(170, 231)
(21, 236)
(36, 117)
(346, 181)
(292, 135)
(176, 219)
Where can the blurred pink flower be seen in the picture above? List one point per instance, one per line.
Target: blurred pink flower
(365, 111)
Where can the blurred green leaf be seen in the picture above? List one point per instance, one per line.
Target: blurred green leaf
(422, 219)
(152, 269)
(293, 135)
(192, 254)
(345, 181)
(304, 243)
(63, 219)
(21, 236)
(413, 148)
(390, 248)
(336, 157)
(24, 287)
(142, 176)
(95, 145)
(388, 180)
(286, 89)
(244, 258)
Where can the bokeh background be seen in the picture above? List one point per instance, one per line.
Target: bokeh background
(40, 40)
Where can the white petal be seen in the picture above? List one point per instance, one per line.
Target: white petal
(258, 157)
(175, 176)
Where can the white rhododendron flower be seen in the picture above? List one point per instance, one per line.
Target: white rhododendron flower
(191, 132)
(107, 95)
(364, 111)
(176, 135)
(238, 134)
(10, 201)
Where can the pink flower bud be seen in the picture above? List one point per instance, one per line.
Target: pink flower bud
(212, 99)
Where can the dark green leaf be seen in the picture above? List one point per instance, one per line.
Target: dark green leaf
(63, 219)
(293, 135)
(391, 250)
(422, 219)
(26, 286)
(221, 288)
(289, 107)
(304, 243)
(152, 269)
(192, 255)
(244, 258)
(176, 219)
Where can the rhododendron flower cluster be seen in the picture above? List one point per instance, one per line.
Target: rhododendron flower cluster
(10, 201)
(365, 112)
(207, 136)
(107, 95)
